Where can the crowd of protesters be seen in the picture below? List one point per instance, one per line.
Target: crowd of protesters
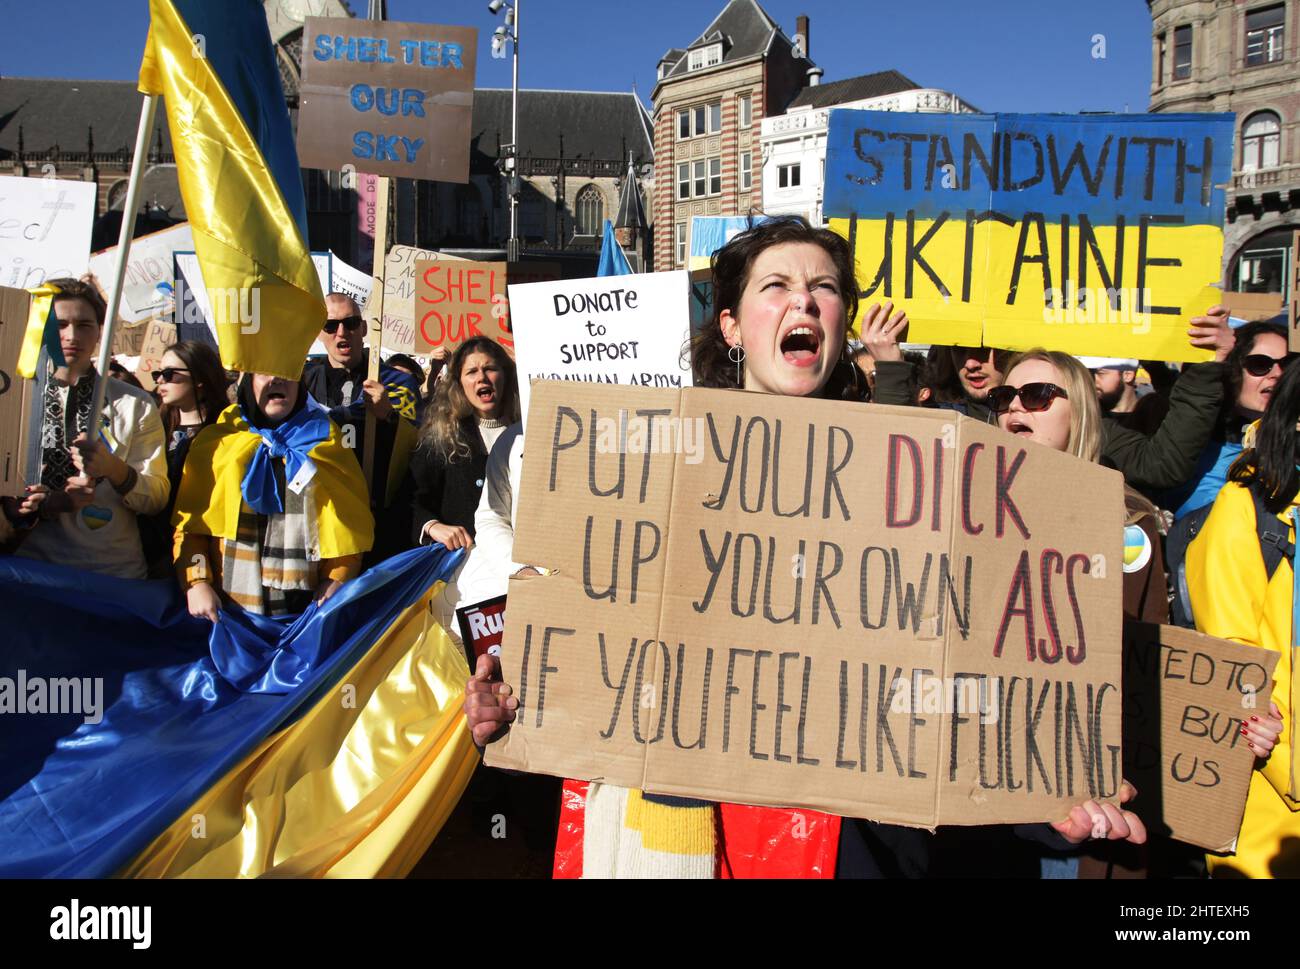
(249, 491)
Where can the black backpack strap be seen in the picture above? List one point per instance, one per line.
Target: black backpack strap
(1274, 535)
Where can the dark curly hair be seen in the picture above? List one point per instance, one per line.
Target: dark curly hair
(710, 363)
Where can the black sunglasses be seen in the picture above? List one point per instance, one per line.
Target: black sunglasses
(1260, 364)
(1033, 397)
(167, 375)
(348, 322)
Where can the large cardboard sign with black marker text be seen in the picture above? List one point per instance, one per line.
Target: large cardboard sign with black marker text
(877, 612)
(18, 403)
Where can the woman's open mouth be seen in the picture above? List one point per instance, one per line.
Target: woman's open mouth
(800, 347)
(486, 394)
(1015, 426)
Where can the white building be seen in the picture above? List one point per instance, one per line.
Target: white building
(794, 143)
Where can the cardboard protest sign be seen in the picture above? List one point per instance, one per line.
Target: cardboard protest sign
(128, 338)
(481, 627)
(456, 301)
(17, 399)
(150, 281)
(872, 611)
(387, 98)
(1185, 698)
(399, 295)
(609, 329)
(1091, 234)
(158, 336)
(45, 226)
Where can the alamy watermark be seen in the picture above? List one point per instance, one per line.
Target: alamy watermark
(80, 695)
(654, 432)
(1111, 306)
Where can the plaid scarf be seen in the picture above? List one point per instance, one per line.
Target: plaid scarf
(60, 425)
(270, 566)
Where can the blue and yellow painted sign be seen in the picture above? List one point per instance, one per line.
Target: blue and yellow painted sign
(1092, 234)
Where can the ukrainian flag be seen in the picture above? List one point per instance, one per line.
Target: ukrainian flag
(140, 741)
(1092, 234)
(215, 67)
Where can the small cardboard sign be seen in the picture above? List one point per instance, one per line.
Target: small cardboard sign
(399, 296)
(1186, 696)
(481, 626)
(456, 301)
(607, 329)
(45, 227)
(17, 403)
(877, 612)
(158, 336)
(387, 98)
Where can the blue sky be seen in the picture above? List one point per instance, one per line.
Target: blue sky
(1000, 55)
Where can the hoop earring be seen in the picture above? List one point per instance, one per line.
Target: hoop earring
(737, 356)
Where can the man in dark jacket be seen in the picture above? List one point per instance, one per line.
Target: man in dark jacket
(339, 382)
(1163, 460)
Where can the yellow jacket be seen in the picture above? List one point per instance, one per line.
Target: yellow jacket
(1233, 598)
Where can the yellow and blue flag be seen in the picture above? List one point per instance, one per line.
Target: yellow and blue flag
(215, 67)
(42, 332)
(1091, 234)
(141, 741)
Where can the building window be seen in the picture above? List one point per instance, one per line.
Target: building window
(703, 119)
(681, 244)
(715, 176)
(746, 170)
(1162, 51)
(746, 111)
(787, 176)
(699, 179)
(1182, 52)
(683, 124)
(715, 117)
(1264, 35)
(1260, 141)
(590, 210)
(683, 181)
(705, 57)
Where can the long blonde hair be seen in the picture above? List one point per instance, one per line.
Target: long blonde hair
(441, 430)
(1085, 418)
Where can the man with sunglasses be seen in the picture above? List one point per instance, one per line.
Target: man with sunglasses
(339, 382)
(1165, 459)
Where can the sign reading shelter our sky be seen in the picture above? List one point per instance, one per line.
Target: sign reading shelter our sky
(387, 98)
(1092, 234)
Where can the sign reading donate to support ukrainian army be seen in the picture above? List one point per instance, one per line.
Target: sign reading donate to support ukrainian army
(387, 98)
(1094, 235)
(873, 611)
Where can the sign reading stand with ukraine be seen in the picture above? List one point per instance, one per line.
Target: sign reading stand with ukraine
(1087, 234)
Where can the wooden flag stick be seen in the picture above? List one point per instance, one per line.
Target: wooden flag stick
(375, 324)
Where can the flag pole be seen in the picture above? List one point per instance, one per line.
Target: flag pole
(129, 206)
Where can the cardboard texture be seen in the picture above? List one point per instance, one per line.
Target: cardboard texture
(611, 329)
(876, 612)
(17, 401)
(399, 295)
(387, 98)
(128, 338)
(45, 228)
(458, 300)
(1090, 234)
(158, 336)
(1185, 697)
